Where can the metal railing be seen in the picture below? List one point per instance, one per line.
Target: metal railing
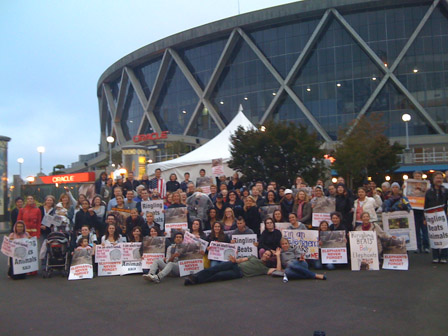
(431, 155)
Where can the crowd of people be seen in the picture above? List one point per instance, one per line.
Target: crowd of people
(230, 206)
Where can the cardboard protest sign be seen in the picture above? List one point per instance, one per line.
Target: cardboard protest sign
(190, 260)
(268, 211)
(245, 245)
(25, 258)
(333, 247)
(221, 251)
(306, 241)
(156, 207)
(8, 247)
(437, 227)
(415, 191)
(217, 167)
(175, 219)
(131, 267)
(108, 253)
(153, 248)
(319, 217)
(401, 224)
(364, 251)
(279, 226)
(131, 251)
(322, 208)
(204, 183)
(190, 238)
(81, 266)
(395, 255)
(120, 215)
(109, 268)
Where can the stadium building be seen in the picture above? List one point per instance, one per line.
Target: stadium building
(322, 63)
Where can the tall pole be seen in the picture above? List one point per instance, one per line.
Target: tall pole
(40, 157)
(407, 136)
(110, 154)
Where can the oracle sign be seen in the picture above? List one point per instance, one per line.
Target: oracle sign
(69, 178)
(150, 136)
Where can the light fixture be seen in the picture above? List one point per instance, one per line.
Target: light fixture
(308, 89)
(245, 98)
(387, 178)
(274, 94)
(221, 102)
(338, 85)
(30, 179)
(369, 178)
(263, 128)
(184, 112)
(424, 176)
(20, 161)
(415, 70)
(406, 118)
(405, 177)
(374, 78)
(110, 139)
(432, 171)
(334, 180)
(385, 64)
(131, 121)
(149, 161)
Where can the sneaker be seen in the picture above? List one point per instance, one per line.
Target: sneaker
(442, 261)
(426, 250)
(285, 279)
(435, 261)
(155, 278)
(189, 280)
(147, 277)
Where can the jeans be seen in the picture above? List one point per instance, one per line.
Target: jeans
(440, 253)
(317, 264)
(299, 270)
(223, 271)
(215, 262)
(421, 230)
(170, 268)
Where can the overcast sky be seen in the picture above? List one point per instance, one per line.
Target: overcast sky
(53, 53)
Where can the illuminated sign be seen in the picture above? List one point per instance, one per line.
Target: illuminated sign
(69, 178)
(150, 136)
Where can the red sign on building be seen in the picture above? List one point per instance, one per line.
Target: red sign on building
(150, 136)
(69, 178)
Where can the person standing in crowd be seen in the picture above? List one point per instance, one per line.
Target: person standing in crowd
(421, 230)
(337, 224)
(86, 216)
(437, 195)
(385, 186)
(196, 229)
(235, 182)
(106, 190)
(118, 191)
(69, 208)
(129, 201)
(47, 209)
(317, 264)
(302, 208)
(136, 235)
(150, 223)
(331, 191)
(365, 204)
(252, 214)
(100, 182)
(190, 189)
(234, 203)
(134, 220)
(287, 203)
(277, 216)
(211, 219)
(184, 183)
(131, 183)
(158, 183)
(145, 181)
(112, 237)
(145, 197)
(295, 225)
(241, 228)
(344, 204)
(270, 237)
(255, 193)
(202, 172)
(228, 220)
(119, 184)
(176, 203)
(217, 235)
(397, 201)
(15, 212)
(31, 216)
(270, 198)
(172, 185)
(219, 206)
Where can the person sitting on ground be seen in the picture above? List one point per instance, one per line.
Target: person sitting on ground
(270, 237)
(168, 265)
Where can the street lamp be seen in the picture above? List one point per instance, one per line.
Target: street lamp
(122, 172)
(41, 149)
(110, 140)
(20, 161)
(406, 118)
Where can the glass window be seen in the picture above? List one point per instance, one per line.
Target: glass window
(147, 74)
(132, 114)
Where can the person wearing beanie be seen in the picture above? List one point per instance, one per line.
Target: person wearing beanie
(396, 201)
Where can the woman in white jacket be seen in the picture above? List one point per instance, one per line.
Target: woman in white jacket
(365, 204)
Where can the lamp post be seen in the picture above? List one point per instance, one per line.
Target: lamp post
(41, 149)
(20, 161)
(406, 118)
(110, 140)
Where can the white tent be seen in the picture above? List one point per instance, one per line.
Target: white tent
(216, 148)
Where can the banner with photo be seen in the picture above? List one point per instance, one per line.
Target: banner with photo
(190, 238)
(307, 242)
(176, 219)
(25, 258)
(81, 266)
(126, 254)
(109, 268)
(364, 251)
(322, 209)
(14, 248)
(333, 247)
(54, 220)
(221, 251)
(204, 183)
(401, 224)
(437, 227)
(415, 191)
(153, 249)
(217, 167)
(191, 259)
(156, 207)
(319, 217)
(395, 254)
(268, 211)
(279, 226)
(108, 253)
(245, 245)
(120, 215)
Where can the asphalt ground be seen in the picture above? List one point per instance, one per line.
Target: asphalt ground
(413, 302)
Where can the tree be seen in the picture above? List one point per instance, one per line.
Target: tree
(280, 153)
(366, 151)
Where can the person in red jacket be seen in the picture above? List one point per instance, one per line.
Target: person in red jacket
(32, 217)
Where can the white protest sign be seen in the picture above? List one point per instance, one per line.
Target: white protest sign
(175, 219)
(108, 253)
(401, 224)
(131, 267)
(217, 167)
(81, 266)
(306, 241)
(396, 262)
(131, 251)
(8, 247)
(191, 266)
(191, 259)
(153, 249)
(190, 238)
(319, 217)
(156, 207)
(109, 268)
(333, 247)
(437, 227)
(245, 245)
(364, 251)
(221, 251)
(26, 257)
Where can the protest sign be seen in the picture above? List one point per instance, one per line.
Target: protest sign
(190, 238)
(268, 211)
(8, 247)
(120, 215)
(437, 227)
(221, 251)
(108, 253)
(306, 241)
(204, 183)
(190, 260)
(131, 251)
(364, 251)
(131, 267)
(279, 226)
(322, 208)
(156, 207)
(395, 255)
(109, 268)
(333, 247)
(245, 245)
(217, 167)
(401, 224)
(153, 249)
(319, 217)
(55, 220)
(415, 191)
(81, 266)
(25, 258)
(175, 219)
